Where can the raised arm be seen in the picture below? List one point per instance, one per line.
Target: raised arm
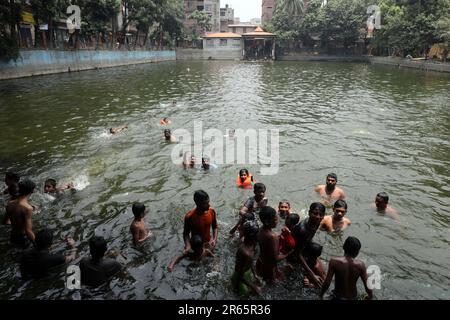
(328, 279)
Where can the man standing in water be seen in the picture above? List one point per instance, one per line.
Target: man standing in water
(348, 270)
(19, 211)
(199, 221)
(329, 191)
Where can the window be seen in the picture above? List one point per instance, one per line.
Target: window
(223, 42)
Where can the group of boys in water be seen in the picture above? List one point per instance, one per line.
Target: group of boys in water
(294, 244)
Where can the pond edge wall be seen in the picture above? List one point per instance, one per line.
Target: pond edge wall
(41, 62)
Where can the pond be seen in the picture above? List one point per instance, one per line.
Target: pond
(378, 128)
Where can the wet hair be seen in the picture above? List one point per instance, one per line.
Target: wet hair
(51, 182)
(196, 242)
(332, 175)
(259, 186)
(250, 229)
(13, 190)
(317, 206)
(111, 130)
(352, 246)
(384, 196)
(313, 250)
(284, 201)
(97, 247)
(205, 158)
(12, 175)
(44, 239)
(167, 131)
(340, 204)
(242, 171)
(200, 196)
(292, 219)
(26, 187)
(165, 119)
(138, 210)
(249, 216)
(266, 213)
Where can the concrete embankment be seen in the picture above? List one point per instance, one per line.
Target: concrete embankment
(391, 61)
(40, 62)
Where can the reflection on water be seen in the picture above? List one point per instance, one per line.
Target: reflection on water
(378, 128)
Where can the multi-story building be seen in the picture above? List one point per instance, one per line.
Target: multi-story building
(268, 8)
(211, 7)
(226, 18)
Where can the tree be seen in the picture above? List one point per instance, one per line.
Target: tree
(9, 18)
(202, 19)
(292, 8)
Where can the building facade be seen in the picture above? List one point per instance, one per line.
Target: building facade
(226, 18)
(268, 8)
(241, 28)
(211, 7)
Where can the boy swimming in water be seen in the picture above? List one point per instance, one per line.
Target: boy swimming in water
(169, 136)
(337, 221)
(137, 228)
(11, 192)
(118, 129)
(381, 203)
(165, 122)
(312, 252)
(347, 270)
(197, 252)
(50, 187)
(244, 278)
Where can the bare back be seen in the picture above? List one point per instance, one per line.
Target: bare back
(267, 260)
(19, 211)
(347, 271)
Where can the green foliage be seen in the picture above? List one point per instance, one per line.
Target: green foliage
(408, 26)
(9, 18)
(202, 19)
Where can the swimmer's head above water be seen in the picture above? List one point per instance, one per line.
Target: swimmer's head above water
(50, 186)
(11, 177)
(382, 200)
(339, 209)
(205, 162)
(138, 210)
(331, 181)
